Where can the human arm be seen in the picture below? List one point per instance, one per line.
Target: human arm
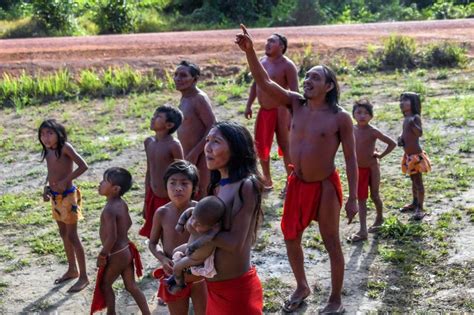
(391, 144)
(415, 125)
(109, 230)
(260, 75)
(348, 146)
(205, 114)
(252, 97)
(69, 151)
(153, 246)
(202, 240)
(292, 76)
(147, 175)
(183, 218)
(177, 151)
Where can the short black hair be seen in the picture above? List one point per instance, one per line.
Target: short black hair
(187, 169)
(209, 210)
(415, 101)
(283, 41)
(193, 68)
(118, 176)
(365, 104)
(173, 115)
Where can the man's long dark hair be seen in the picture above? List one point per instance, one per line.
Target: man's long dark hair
(332, 97)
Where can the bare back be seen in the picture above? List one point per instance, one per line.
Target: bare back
(315, 138)
(365, 145)
(160, 154)
(197, 120)
(115, 219)
(280, 72)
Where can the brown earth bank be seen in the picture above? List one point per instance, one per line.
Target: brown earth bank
(212, 50)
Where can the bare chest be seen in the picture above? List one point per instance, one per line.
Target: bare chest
(310, 125)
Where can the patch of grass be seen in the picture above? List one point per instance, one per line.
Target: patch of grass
(375, 288)
(315, 241)
(393, 228)
(14, 206)
(273, 294)
(456, 111)
(48, 243)
(6, 254)
(262, 242)
(17, 265)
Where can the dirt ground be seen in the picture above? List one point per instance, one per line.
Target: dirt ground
(30, 289)
(212, 50)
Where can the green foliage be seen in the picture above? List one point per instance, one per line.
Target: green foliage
(394, 228)
(445, 54)
(115, 16)
(56, 15)
(399, 52)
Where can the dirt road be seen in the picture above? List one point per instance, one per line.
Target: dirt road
(211, 49)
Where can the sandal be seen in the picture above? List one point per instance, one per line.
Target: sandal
(408, 207)
(354, 238)
(292, 305)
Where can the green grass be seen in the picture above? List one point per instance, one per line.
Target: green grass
(273, 294)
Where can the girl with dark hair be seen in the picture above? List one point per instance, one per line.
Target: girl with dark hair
(231, 158)
(65, 197)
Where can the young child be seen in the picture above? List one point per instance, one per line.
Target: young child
(181, 180)
(415, 161)
(161, 150)
(368, 164)
(118, 253)
(65, 197)
(202, 222)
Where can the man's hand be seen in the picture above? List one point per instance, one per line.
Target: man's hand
(351, 209)
(244, 40)
(248, 112)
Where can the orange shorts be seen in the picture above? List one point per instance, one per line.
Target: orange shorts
(416, 163)
(66, 206)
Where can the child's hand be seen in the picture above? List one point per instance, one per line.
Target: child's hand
(377, 155)
(179, 228)
(190, 250)
(351, 209)
(46, 193)
(400, 141)
(101, 260)
(248, 113)
(167, 266)
(244, 40)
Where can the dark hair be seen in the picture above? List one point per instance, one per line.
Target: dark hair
(283, 41)
(193, 68)
(365, 104)
(415, 101)
(60, 132)
(187, 169)
(209, 210)
(173, 115)
(242, 163)
(332, 97)
(118, 176)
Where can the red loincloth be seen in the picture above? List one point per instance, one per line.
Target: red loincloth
(265, 126)
(163, 292)
(363, 184)
(302, 204)
(98, 299)
(242, 295)
(152, 203)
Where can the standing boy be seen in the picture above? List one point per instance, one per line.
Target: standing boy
(318, 126)
(161, 150)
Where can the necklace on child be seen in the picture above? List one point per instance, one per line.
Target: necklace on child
(224, 181)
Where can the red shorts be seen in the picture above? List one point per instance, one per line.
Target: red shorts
(163, 292)
(152, 203)
(98, 299)
(242, 295)
(302, 204)
(265, 127)
(363, 184)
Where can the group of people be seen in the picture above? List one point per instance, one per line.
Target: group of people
(203, 190)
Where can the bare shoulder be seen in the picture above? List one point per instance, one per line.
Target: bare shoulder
(67, 148)
(147, 141)
(297, 100)
(343, 117)
(202, 97)
(289, 63)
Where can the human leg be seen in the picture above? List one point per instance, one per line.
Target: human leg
(199, 297)
(417, 180)
(375, 196)
(71, 272)
(179, 307)
(131, 286)
(116, 264)
(73, 237)
(283, 140)
(361, 235)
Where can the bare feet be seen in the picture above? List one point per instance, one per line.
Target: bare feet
(79, 285)
(295, 300)
(67, 276)
(332, 308)
(357, 237)
(408, 207)
(419, 215)
(376, 226)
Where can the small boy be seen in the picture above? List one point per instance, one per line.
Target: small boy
(181, 180)
(118, 253)
(161, 150)
(415, 161)
(368, 164)
(202, 222)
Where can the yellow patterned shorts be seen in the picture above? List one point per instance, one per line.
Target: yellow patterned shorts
(66, 206)
(416, 163)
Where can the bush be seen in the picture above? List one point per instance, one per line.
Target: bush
(444, 55)
(57, 16)
(115, 16)
(399, 52)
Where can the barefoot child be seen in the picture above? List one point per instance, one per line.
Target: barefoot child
(415, 161)
(368, 163)
(230, 155)
(65, 197)
(181, 180)
(314, 191)
(198, 120)
(202, 222)
(273, 119)
(161, 150)
(118, 253)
